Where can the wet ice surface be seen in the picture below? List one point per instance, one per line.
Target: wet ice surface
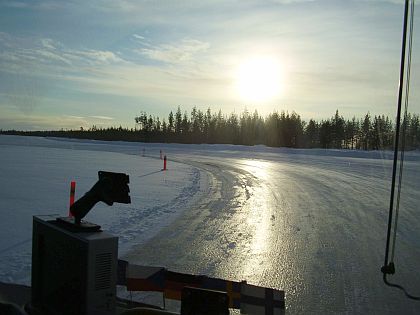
(310, 222)
(317, 234)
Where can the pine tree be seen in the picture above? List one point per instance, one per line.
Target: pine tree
(171, 122)
(178, 121)
(337, 126)
(366, 132)
(312, 134)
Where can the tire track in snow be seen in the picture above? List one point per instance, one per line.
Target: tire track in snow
(137, 226)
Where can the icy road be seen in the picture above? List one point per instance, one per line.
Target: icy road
(312, 225)
(310, 222)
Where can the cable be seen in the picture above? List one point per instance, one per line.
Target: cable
(389, 268)
(408, 295)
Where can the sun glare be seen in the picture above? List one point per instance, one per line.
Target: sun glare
(259, 79)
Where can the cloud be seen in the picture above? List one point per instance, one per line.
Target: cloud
(96, 56)
(27, 54)
(14, 4)
(175, 53)
(387, 1)
(102, 117)
(117, 5)
(42, 122)
(48, 43)
(8, 56)
(11, 119)
(141, 40)
(74, 117)
(163, 62)
(291, 1)
(47, 56)
(138, 36)
(43, 4)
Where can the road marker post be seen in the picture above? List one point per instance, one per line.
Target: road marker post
(72, 193)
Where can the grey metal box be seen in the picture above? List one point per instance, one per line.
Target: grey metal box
(73, 272)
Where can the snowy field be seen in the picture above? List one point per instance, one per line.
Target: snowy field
(310, 222)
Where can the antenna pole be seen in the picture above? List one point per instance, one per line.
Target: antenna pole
(389, 268)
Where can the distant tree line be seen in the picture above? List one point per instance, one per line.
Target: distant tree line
(276, 130)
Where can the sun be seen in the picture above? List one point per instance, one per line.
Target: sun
(259, 79)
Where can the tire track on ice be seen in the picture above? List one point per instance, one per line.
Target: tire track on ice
(207, 234)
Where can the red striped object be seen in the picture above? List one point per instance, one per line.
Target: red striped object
(72, 192)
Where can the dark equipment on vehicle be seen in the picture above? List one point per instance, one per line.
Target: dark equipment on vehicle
(197, 301)
(111, 187)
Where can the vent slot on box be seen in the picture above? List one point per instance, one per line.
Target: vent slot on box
(103, 270)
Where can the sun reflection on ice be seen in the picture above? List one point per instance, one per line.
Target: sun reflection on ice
(259, 220)
(262, 252)
(259, 169)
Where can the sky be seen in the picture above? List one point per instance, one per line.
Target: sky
(71, 64)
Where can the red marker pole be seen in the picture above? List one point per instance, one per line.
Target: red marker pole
(72, 191)
(164, 163)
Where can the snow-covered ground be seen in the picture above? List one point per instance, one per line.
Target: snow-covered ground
(35, 179)
(311, 222)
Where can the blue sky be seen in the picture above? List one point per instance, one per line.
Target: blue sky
(67, 64)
